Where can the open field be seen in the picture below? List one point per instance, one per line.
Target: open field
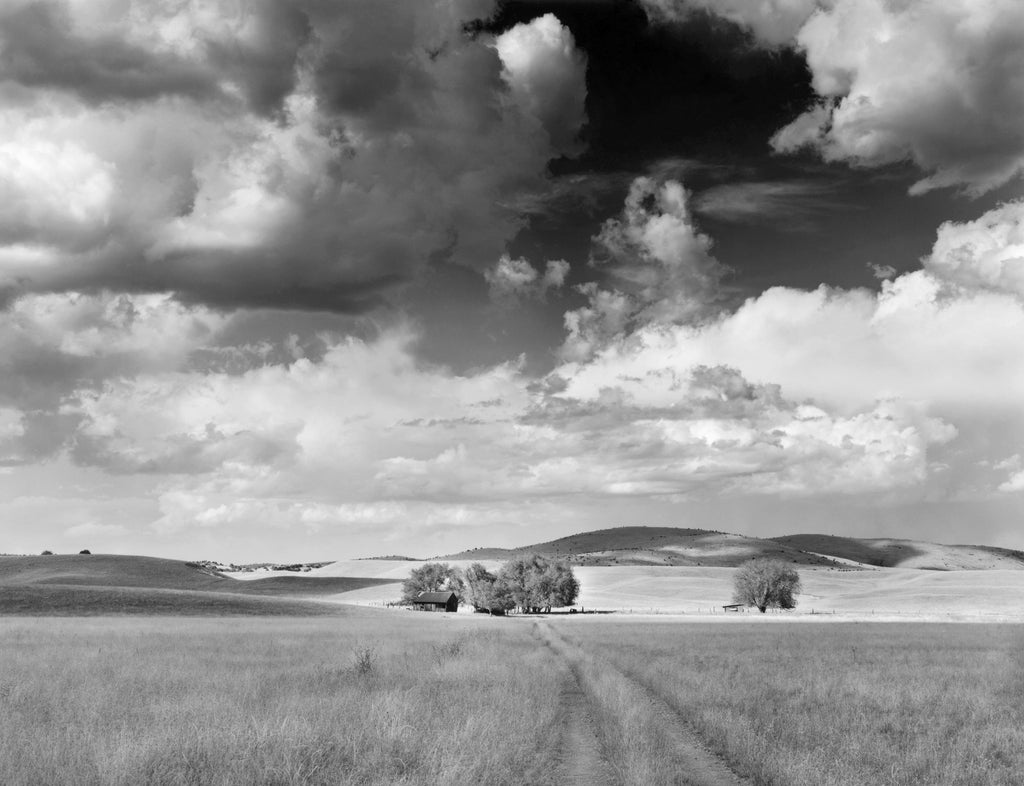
(832, 705)
(892, 592)
(369, 699)
(396, 697)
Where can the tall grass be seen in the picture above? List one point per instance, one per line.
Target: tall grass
(388, 699)
(833, 705)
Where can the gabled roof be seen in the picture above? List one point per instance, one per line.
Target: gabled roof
(434, 597)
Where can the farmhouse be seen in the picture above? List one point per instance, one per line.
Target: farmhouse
(436, 601)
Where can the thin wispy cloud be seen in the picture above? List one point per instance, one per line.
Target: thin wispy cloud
(786, 205)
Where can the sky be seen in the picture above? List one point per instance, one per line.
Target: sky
(294, 280)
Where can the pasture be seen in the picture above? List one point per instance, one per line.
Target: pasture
(396, 697)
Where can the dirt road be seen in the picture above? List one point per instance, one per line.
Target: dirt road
(585, 754)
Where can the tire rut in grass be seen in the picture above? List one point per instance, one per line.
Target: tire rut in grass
(581, 756)
(697, 766)
(582, 759)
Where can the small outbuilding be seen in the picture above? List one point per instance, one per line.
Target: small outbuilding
(733, 607)
(436, 601)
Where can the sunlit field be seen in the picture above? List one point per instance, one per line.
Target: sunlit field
(404, 698)
(823, 705)
(353, 700)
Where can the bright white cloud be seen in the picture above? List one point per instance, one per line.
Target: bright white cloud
(659, 269)
(546, 75)
(938, 83)
(984, 254)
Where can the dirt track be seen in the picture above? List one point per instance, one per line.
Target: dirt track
(584, 756)
(583, 760)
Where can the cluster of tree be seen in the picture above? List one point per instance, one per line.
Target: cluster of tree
(764, 582)
(528, 584)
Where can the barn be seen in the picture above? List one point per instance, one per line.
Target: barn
(436, 601)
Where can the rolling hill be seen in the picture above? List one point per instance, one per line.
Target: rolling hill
(895, 553)
(666, 546)
(669, 546)
(118, 584)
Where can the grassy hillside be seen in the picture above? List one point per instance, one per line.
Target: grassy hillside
(894, 553)
(106, 583)
(669, 546)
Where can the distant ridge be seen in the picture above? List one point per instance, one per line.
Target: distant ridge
(674, 546)
(669, 546)
(898, 553)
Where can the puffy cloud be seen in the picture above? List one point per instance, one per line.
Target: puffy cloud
(882, 272)
(546, 75)
(795, 394)
(511, 279)
(320, 154)
(658, 266)
(772, 22)
(43, 45)
(935, 83)
(920, 339)
(267, 446)
(984, 254)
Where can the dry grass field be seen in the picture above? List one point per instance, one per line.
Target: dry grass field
(364, 699)
(396, 697)
(829, 705)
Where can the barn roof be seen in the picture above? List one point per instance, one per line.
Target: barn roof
(434, 597)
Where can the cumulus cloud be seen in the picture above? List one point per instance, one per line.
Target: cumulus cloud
(882, 272)
(546, 75)
(266, 447)
(658, 268)
(984, 254)
(795, 394)
(296, 155)
(512, 279)
(935, 83)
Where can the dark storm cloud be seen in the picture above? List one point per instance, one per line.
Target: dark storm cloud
(265, 64)
(373, 137)
(39, 49)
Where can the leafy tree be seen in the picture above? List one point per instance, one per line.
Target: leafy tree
(47, 553)
(484, 592)
(432, 577)
(764, 582)
(85, 551)
(536, 584)
(555, 585)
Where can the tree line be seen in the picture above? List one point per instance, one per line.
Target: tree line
(535, 584)
(531, 584)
